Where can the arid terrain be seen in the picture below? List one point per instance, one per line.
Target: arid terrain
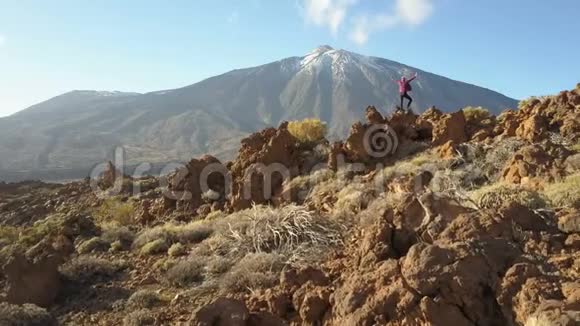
(461, 218)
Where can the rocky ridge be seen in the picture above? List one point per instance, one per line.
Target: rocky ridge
(470, 219)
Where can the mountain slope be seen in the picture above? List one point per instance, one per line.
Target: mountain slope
(81, 128)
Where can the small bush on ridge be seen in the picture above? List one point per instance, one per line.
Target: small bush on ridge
(307, 130)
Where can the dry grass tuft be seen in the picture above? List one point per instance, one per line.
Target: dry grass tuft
(9, 234)
(143, 299)
(122, 234)
(498, 194)
(218, 265)
(186, 273)
(95, 244)
(141, 317)
(176, 250)
(497, 156)
(302, 185)
(254, 271)
(565, 193)
(172, 233)
(575, 147)
(411, 166)
(264, 229)
(25, 315)
(154, 247)
(541, 320)
(85, 268)
(307, 130)
(354, 198)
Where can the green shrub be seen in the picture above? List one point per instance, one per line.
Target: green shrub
(475, 114)
(307, 130)
(565, 193)
(154, 247)
(575, 147)
(185, 273)
(117, 246)
(114, 211)
(10, 233)
(176, 250)
(95, 244)
(171, 233)
(122, 234)
(47, 228)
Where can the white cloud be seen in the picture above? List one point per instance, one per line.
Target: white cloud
(414, 12)
(2, 39)
(329, 13)
(363, 25)
(406, 13)
(335, 13)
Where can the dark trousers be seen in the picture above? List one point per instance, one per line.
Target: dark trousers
(406, 96)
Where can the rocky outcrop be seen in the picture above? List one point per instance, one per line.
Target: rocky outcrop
(568, 220)
(450, 127)
(379, 139)
(33, 280)
(264, 161)
(536, 163)
(466, 267)
(538, 116)
(111, 177)
(187, 186)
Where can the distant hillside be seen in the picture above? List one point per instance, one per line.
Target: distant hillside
(81, 128)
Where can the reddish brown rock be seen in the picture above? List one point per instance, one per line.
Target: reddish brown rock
(450, 127)
(223, 312)
(373, 116)
(569, 220)
(536, 117)
(533, 129)
(545, 161)
(447, 151)
(34, 281)
(186, 185)
(264, 161)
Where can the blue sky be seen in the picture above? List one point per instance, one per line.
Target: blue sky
(517, 47)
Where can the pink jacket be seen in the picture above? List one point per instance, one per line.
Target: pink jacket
(404, 86)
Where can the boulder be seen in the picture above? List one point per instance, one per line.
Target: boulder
(544, 161)
(223, 312)
(185, 185)
(35, 281)
(450, 127)
(264, 161)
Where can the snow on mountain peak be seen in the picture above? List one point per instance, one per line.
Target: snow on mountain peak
(338, 61)
(316, 55)
(322, 49)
